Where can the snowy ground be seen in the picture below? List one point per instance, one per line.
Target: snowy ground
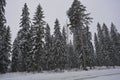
(103, 74)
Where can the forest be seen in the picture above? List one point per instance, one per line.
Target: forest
(36, 49)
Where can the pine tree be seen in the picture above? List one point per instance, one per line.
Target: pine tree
(37, 40)
(4, 47)
(78, 20)
(58, 50)
(23, 38)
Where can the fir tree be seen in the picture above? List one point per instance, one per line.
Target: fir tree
(116, 44)
(29, 59)
(25, 24)
(37, 40)
(89, 51)
(106, 44)
(23, 38)
(58, 50)
(100, 55)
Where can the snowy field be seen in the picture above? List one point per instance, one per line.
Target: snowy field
(96, 74)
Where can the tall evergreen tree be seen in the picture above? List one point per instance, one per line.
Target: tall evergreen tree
(100, 55)
(58, 50)
(25, 24)
(78, 20)
(89, 50)
(29, 58)
(106, 44)
(23, 38)
(48, 47)
(4, 47)
(37, 40)
(116, 44)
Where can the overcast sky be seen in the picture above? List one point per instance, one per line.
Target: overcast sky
(101, 10)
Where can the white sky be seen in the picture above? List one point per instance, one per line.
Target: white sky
(101, 10)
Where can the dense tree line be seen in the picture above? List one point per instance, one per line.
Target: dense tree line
(107, 45)
(36, 49)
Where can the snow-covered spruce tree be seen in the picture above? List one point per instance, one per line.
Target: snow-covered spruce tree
(89, 51)
(107, 45)
(116, 44)
(4, 51)
(29, 58)
(25, 24)
(78, 20)
(48, 48)
(37, 40)
(100, 55)
(23, 38)
(59, 54)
